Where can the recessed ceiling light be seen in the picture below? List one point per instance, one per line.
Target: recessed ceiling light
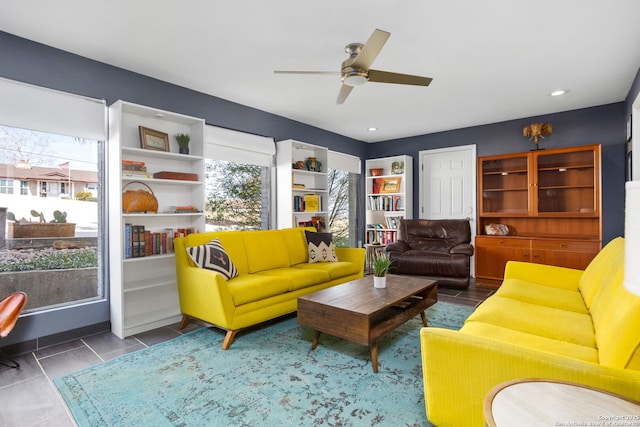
(372, 129)
(559, 92)
(159, 115)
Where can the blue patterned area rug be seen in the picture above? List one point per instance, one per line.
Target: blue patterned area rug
(269, 376)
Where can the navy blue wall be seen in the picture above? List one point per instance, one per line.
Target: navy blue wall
(603, 125)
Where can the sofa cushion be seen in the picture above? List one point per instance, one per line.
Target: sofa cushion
(296, 244)
(535, 319)
(597, 272)
(248, 288)
(507, 335)
(423, 262)
(321, 247)
(230, 240)
(548, 296)
(336, 270)
(212, 256)
(298, 278)
(266, 249)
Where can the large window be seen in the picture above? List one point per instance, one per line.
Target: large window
(239, 180)
(343, 198)
(48, 138)
(238, 196)
(51, 246)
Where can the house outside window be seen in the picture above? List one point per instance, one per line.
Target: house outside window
(24, 188)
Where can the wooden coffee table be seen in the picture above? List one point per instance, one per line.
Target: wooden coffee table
(358, 312)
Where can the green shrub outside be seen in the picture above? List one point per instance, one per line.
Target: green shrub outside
(60, 261)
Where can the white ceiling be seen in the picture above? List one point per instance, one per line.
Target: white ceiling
(491, 60)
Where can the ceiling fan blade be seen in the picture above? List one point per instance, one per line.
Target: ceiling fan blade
(371, 49)
(345, 90)
(328, 73)
(402, 79)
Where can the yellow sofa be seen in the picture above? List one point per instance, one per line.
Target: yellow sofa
(543, 322)
(273, 272)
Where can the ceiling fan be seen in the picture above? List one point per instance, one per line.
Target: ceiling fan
(355, 70)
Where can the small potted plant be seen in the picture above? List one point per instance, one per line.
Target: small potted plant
(381, 263)
(183, 142)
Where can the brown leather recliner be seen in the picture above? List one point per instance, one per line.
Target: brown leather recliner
(438, 249)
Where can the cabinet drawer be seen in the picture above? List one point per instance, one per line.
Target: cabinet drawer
(502, 242)
(563, 245)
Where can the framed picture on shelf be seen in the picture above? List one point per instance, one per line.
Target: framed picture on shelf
(390, 185)
(153, 139)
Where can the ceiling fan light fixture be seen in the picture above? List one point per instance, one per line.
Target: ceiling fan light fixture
(355, 78)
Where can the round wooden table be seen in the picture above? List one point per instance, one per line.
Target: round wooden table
(539, 402)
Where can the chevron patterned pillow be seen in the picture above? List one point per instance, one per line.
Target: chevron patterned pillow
(212, 256)
(321, 247)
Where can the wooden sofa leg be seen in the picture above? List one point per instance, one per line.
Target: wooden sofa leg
(228, 339)
(185, 321)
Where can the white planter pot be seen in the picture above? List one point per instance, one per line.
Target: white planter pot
(379, 282)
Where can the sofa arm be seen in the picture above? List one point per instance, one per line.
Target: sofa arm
(463, 248)
(204, 294)
(459, 369)
(397, 246)
(548, 275)
(354, 255)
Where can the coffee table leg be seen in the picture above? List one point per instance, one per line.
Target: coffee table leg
(374, 357)
(424, 319)
(314, 343)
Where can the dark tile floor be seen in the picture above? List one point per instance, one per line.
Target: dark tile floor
(29, 397)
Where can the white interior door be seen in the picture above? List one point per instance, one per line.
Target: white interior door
(448, 185)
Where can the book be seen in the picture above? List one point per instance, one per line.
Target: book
(127, 241)
(311, 203)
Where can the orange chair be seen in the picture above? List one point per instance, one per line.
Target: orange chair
(10, 309)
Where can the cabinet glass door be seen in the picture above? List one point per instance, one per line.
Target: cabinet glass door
(567, 182)
(505, 185)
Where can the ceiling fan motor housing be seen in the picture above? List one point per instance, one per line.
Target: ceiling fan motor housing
(353, 76)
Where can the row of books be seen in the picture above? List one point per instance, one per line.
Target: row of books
(391, 222)
(307, 203)
(381, 237)
(385, 203)
(139, 242)
(316, 222)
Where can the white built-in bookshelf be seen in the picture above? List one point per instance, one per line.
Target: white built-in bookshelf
(389, 197)
(302, 184)
(142, 278)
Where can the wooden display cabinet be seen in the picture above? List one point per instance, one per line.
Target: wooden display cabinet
(549, 199)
